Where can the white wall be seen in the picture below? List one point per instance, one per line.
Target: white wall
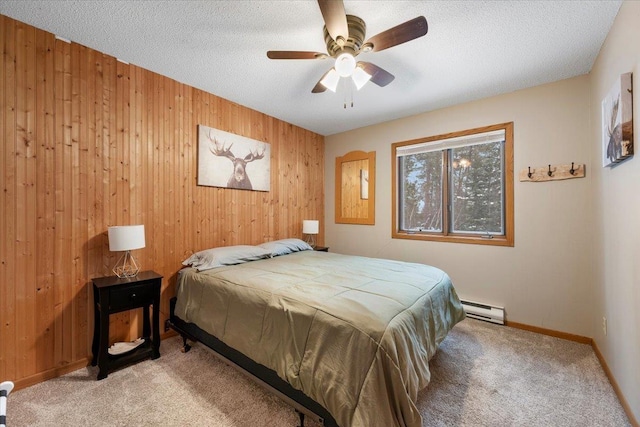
(546, 279)
(616, 206)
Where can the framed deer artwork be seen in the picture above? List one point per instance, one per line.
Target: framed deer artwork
(232, 161)
(617, 122)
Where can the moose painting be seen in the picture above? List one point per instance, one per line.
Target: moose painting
(232, 161)
(617, 122)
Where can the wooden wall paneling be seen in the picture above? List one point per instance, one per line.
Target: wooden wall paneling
(174, 172)
(195, 206)
(136, 123)
(184, 187)
(58, 249)
(214, 230)
(271, 217)
(100, 197)
(119, 157)
(129, 321)
(191, 167)
(201, 210)
(103, 196)
(288, 182)
(3, 216)
(131, 188)
(112, 213)
(72, 187)
(255, 205)
(8, 356)
(78, 191)
(155, 157)
(65, 193)
(186, 133)
(114, 203)
(283, 182)
(264, 214)
(148, 162)
(170, 225)
(306, 152)
(93, 235)
(189, 146)
(295, 222)
(87, 240)
(18, 142)
(45, 186)
(63, 211)
(138, 135)
(290, 163)
(295, 195)
(26, 198)
(164, 160)
(89, 142)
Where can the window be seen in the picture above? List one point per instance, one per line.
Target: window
(456, 187)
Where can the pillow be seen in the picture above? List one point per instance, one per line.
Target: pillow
(285, 246)
(225, 255)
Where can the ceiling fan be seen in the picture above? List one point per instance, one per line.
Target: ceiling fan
(344, 36)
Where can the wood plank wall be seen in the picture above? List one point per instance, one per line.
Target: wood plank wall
(89, 142)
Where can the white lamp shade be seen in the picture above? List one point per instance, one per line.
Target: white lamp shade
(126, 237)
(360, 77)
(330, 81)
(310, 226)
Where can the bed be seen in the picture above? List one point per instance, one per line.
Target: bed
(348, 338)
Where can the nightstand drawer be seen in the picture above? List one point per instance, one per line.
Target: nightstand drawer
(130, 297)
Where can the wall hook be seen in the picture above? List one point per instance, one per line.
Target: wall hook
(572, 171)
(550, 173)
(530, 174)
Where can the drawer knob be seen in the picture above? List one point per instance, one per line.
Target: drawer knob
(133, 296)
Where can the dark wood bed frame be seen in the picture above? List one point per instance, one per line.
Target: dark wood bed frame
(264, 376)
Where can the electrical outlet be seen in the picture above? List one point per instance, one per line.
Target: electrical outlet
(604, 325)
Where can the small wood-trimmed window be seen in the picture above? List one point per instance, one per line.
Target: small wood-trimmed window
(456, 187)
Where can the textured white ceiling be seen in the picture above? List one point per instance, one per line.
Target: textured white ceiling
(474, 49)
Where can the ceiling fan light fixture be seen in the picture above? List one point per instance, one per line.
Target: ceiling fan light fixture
(360, 77)
(345, 64)
(330, 80)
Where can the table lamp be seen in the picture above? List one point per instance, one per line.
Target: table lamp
(126, 238)
(310, 227)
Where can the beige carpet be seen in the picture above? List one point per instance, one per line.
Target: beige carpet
(482, 375)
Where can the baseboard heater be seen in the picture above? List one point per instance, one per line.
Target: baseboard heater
(489, 313)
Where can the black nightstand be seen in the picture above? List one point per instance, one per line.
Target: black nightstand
(113, 295)
(321, 248)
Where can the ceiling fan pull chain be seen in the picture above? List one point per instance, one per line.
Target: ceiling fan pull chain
(350, 84)
(345, 92)
(351, 91)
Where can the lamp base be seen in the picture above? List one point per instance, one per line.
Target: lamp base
(126, 266)
(311, 240)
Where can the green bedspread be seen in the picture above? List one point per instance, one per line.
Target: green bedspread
(355, 334)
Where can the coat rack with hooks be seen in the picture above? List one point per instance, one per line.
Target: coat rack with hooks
(552, 172)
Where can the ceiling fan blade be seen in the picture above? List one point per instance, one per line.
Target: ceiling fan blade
(335, 18)
(319, 87)
(378, 75)
(402, 33)
(294, 54)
